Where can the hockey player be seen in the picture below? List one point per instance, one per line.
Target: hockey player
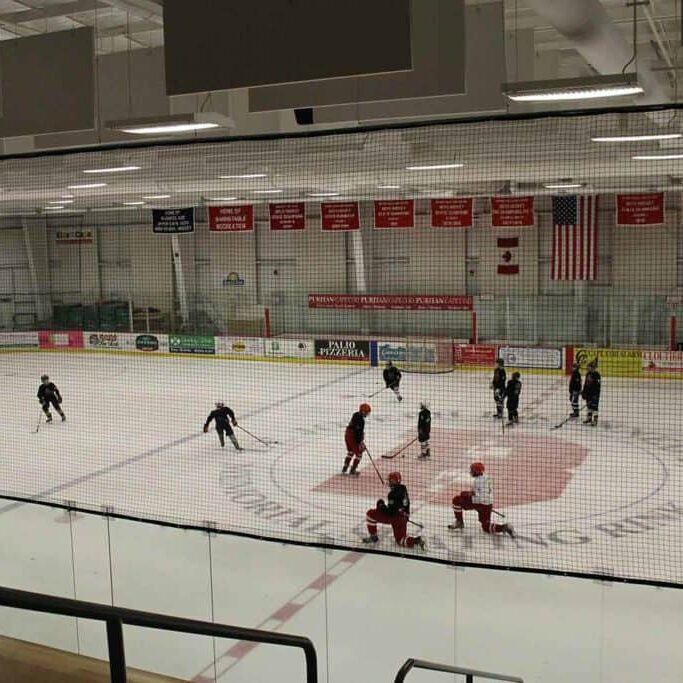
(48, 394)
(392, 378)
(480, 498)
(575, 389)
(223, 416)
(498, 387)
(424, 428)
(591, 393)
(396, 511)
(512, 392)
(354, 437)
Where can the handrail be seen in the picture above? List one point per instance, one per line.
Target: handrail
(115, 617)
(470, 674)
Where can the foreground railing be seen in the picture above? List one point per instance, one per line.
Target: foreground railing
(469, 674)
(115, 617)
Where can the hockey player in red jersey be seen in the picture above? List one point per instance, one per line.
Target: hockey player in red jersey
(354, 437)
(480, 498)
(396, 511)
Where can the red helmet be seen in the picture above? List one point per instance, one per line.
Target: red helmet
(477, 469)
(365, 408)
(394, 477)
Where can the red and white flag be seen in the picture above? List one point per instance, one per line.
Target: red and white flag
(575, 237)
(508, 263)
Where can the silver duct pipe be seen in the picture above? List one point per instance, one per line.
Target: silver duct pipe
(598, 40)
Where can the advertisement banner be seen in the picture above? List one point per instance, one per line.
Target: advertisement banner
(339, 216)
(394, 213)
(83, 236)
(662, 361)
(342, 349)
(611, 362)
(191, 344)
(173, 221)
(231, 218)
(512, 212)
(475, 354)
(640, 209)
(125, 341)
(18, 340)
(397, 302)
(393, 351)
(148, 343)
(60, 340)
(239, 346)
(287, 216)
(289, 348)
(452, 213)
(531, 357)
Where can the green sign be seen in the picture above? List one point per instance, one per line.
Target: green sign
(185, 344)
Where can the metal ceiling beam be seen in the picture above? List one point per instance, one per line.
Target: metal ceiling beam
(52, 11)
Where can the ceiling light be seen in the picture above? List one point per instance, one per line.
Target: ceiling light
(87, 186)
(113, 169)
(656, 157)
(637, 138)
(157, 196)
(53, 207)
(323, 194)
(61, 201)
(388, 187)
(221, 199)
(67, 196)
(563, 186)
(564, 89)
(133, 203)
(172, 123)
(433, 167)
(267, 191)
(244, 176)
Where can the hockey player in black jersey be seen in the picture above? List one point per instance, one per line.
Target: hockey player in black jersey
(225, 421)
(512, 392)
(575, 382)
(591, 393)
(48, 394)
(424, 428)
(498, 387)
(392, 378)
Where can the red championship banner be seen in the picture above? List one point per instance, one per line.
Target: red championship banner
(396, 302)
(512, 212)
(231, 218)
(394, 213)
(640, 209)
(287, 216)
(339, 216)
(452, 213)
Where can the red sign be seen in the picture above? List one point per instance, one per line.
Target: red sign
(512, 212)
(474, 354)
(339, 216)
(72, 339)
(288, 216)
(640, 209)
(394, 213)
(452, 213)
(397, 302)
(231, 218)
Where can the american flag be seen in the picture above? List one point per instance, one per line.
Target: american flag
(575, 237)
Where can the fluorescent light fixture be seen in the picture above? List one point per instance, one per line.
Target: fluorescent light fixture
(566, 89)
(67, 196)
(133, 203)
(221, 199)
(53, 207)
(157, 196)
(322, 195)
(563, 186)
(61, 201)
(244, 176)
(433, 167)
(87, 186)
(113, 169)
(267, 191)
(637, 138)
(388, 187)
(173, 123)
(656, 157)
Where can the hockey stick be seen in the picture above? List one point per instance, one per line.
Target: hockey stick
(566, 419)
(40, 417)
(253, 436)
(391, 457)
(375, 466)
(500, 514)
(417, 524)
(379, 391)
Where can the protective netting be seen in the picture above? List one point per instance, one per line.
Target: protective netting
(279, 276)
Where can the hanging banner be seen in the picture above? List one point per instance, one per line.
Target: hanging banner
(452, 213)
(287, 216)
(394, 213)
(512, 212)
(396, 302)
(173, 221)
(231, 218)
(339, 216)
(84, 236)
(640, 209)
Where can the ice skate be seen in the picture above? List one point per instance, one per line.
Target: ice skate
(509, 530)
(419, 542)
(371, 539)
(458, 524)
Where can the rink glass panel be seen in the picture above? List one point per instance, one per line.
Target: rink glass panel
(164, 312)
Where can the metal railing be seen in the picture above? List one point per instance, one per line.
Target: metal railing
(469, 674)
(115, 617)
